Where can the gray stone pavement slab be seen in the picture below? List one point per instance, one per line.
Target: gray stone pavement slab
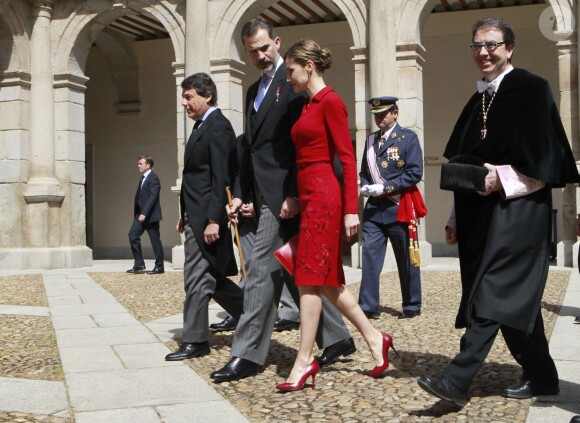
(565, 349)
(24, 310)
(137, 388)
(68, 338)
(129, 415)
(115, 319)
(140, 356)
(73, 322)
(201, 413)
(32, 396)
(85, 309)
(89, 359)
(70, 299)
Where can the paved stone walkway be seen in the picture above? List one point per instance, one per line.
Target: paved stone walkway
(113, 371)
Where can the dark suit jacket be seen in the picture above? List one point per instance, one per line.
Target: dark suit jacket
(266, 151)
(207, 167)
(147, 202)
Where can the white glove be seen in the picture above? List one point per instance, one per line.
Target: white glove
(375, 190)
(365, 190)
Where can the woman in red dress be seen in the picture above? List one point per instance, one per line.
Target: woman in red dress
(320, 133)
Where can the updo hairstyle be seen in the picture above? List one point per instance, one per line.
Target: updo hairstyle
(305, 50)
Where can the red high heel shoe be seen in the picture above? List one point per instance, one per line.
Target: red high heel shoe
(311, 370)
(387, 343)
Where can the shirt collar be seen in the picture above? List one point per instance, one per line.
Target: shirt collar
(146, 174)
(208, 112)
(493, 86)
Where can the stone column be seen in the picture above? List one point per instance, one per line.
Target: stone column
(362, 121)
(382, 48)
(410, 82)
(14, 163)
(568, 87)
(43, 194)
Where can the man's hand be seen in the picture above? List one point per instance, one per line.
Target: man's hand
(376, 189)
(290, 208)
(351, 225)
(492, 181)
(211, 233)
(141, 218)
(450, 235)
(247, 210)
(179, 226)
(232, 211)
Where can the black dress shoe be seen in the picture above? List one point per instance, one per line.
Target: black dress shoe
(443, 388)
(136, 269)
(528, 389)
(280, 325)
(228, 324)
(409, 314)
(577, 320)
(156, 271)
(189, 350)
(236, 369)
(370, 315)
(341, 348)
(575, 419)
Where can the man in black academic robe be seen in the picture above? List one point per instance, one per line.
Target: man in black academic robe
(512, 125)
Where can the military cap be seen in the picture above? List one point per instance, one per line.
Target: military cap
(382, 104)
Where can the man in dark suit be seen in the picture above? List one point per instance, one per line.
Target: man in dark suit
(267, 175)
(209, 256)
(147, 214)
(392, 164)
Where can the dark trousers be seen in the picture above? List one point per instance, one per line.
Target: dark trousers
(137, 229)
(375, 236)
(529, 350)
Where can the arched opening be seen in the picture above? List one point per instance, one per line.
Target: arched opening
(129, 111)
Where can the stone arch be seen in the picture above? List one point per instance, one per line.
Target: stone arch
(20, 54)
(415, 13)
(88, 19)
(239, 10)
(124, 66)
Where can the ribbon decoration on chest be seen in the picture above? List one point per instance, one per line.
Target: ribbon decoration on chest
(374, 168)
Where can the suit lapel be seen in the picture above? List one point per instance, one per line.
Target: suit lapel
(196, 135)
(271, 96)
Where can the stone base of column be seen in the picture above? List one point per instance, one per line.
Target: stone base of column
(177, 257)
(565, 255)
(45, 258)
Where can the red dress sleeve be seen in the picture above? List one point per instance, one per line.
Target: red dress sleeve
(336, 121)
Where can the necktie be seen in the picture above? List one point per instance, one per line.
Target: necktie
(197, 123)
(490, 87)
(262, 87)
(140, 184)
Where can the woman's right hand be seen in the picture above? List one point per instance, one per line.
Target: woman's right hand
(351, 225)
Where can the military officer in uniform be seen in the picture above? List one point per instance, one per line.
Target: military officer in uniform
(392, 165)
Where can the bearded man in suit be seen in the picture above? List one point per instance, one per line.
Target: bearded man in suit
(267, 176)
(208, 166)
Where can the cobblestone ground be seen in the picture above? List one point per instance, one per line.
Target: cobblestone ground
(28, 344)
(344, 393)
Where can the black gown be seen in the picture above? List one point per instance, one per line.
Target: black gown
(504, 244)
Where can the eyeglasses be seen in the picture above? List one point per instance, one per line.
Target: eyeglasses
(489, 46)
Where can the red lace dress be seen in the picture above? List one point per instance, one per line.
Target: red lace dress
(320, 133)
